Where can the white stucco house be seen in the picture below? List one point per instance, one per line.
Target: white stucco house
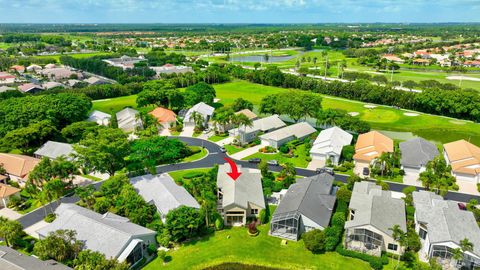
(205, 110)
(329, 144)
(100, 118)
(128, 120)
(283, 135)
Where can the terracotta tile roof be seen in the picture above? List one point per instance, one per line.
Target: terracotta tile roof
(247, 113)
(163, 115)
(371, 145)
(18, 165)
(7, 191)
(464, 157)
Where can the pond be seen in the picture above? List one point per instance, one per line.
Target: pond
(239, 266)
(262, 59)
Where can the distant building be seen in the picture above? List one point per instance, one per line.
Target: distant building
(30, 88)
(170, 69)
(124, 62)
(128, 120)
(96, 81)
(283, 135)
(53, 150)
(7, 78)
(100, 118)
(50, 85)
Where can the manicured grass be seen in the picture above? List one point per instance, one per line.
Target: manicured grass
(74, 55)
(216, 138)
(431, 127)
(178, 175)
(436, 128)
(203, 152)
(234, 245)
(231, 149)
(299, 161)
(91, 177)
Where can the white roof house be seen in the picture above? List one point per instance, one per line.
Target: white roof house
(441, 225)
(281, 136)
(128, 120)
(265, 124)
(100, 118)
(110, 234)
(54, 150)
(329, 144)
(205, 110)
(162, 191)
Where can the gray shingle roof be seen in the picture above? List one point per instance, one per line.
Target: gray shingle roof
(163, 192)
(312, 197)
(127, 119)
(299, 130)
(11, 259)
(108, 234)
(246, 189)
(376, 207)
(417, 152)
(445, 221)
(53, 150)
(267, 123)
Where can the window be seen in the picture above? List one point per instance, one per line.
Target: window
(422, 233)
(392, 246)
(352, 214)
(254, 211)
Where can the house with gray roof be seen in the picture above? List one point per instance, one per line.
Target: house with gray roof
(53, 150)
(112, 235)
(100, 118)
(307, 205)
(128, 120)
(162, 191)
(416, 153)
(283, 135)
(240, 198)
(10, 259)
(203, 109)
(441, 225)
(263, 125)
(372, 214)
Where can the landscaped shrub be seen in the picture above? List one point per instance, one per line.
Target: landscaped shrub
(219, 223)
(333, 235)
(50, 218)
(162, 255)
(190, 175)
(314, 241)
(151, 249)
(347, 152)
(375, 262)
(284, 149)
(338, 219)
(308, 159)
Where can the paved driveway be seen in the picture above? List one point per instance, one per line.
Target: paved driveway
(316, 163)
(225, 141)
(9, 214)
(411, 178)
(187, 131)
(247, 152)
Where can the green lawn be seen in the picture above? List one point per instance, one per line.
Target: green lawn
(234, 245)
(299, 161)
(436, 128)
(233, 149)
(203, 152)
(178, 175)
(216, 138)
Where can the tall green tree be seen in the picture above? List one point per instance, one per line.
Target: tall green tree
(105, 151)
(61, 245)
(10, 231)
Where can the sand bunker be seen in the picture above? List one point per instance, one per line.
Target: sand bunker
(457, 122)
(465, 78)
(354, 113)
(215, 100)
(370, 106)
(410, 114)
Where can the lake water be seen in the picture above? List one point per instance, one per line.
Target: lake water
(261, 58)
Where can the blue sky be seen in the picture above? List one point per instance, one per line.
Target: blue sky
(237, 11)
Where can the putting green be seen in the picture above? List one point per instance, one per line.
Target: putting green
(380, 115)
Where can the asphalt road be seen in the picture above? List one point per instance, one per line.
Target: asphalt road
(215, 156)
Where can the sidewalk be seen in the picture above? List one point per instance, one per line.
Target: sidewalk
(9, 214)
(247, 152)
(225, 141)
(187, 131)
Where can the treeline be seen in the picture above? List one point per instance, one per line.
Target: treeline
(60, 110)
(99, 91)
(459, 104)
(158, 57)
(50, 39)
(98, 66)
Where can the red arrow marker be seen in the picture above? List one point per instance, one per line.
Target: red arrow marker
(235, 173)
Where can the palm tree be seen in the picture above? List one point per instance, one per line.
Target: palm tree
(241, 120)
(198, 120)
(459, 253)
(400, 237)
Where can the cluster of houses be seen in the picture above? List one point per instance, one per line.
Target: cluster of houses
(127, 62)
(467, 55)
(35, 78)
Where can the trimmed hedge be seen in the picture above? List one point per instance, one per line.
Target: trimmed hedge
(190, 175)
(375, 262)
